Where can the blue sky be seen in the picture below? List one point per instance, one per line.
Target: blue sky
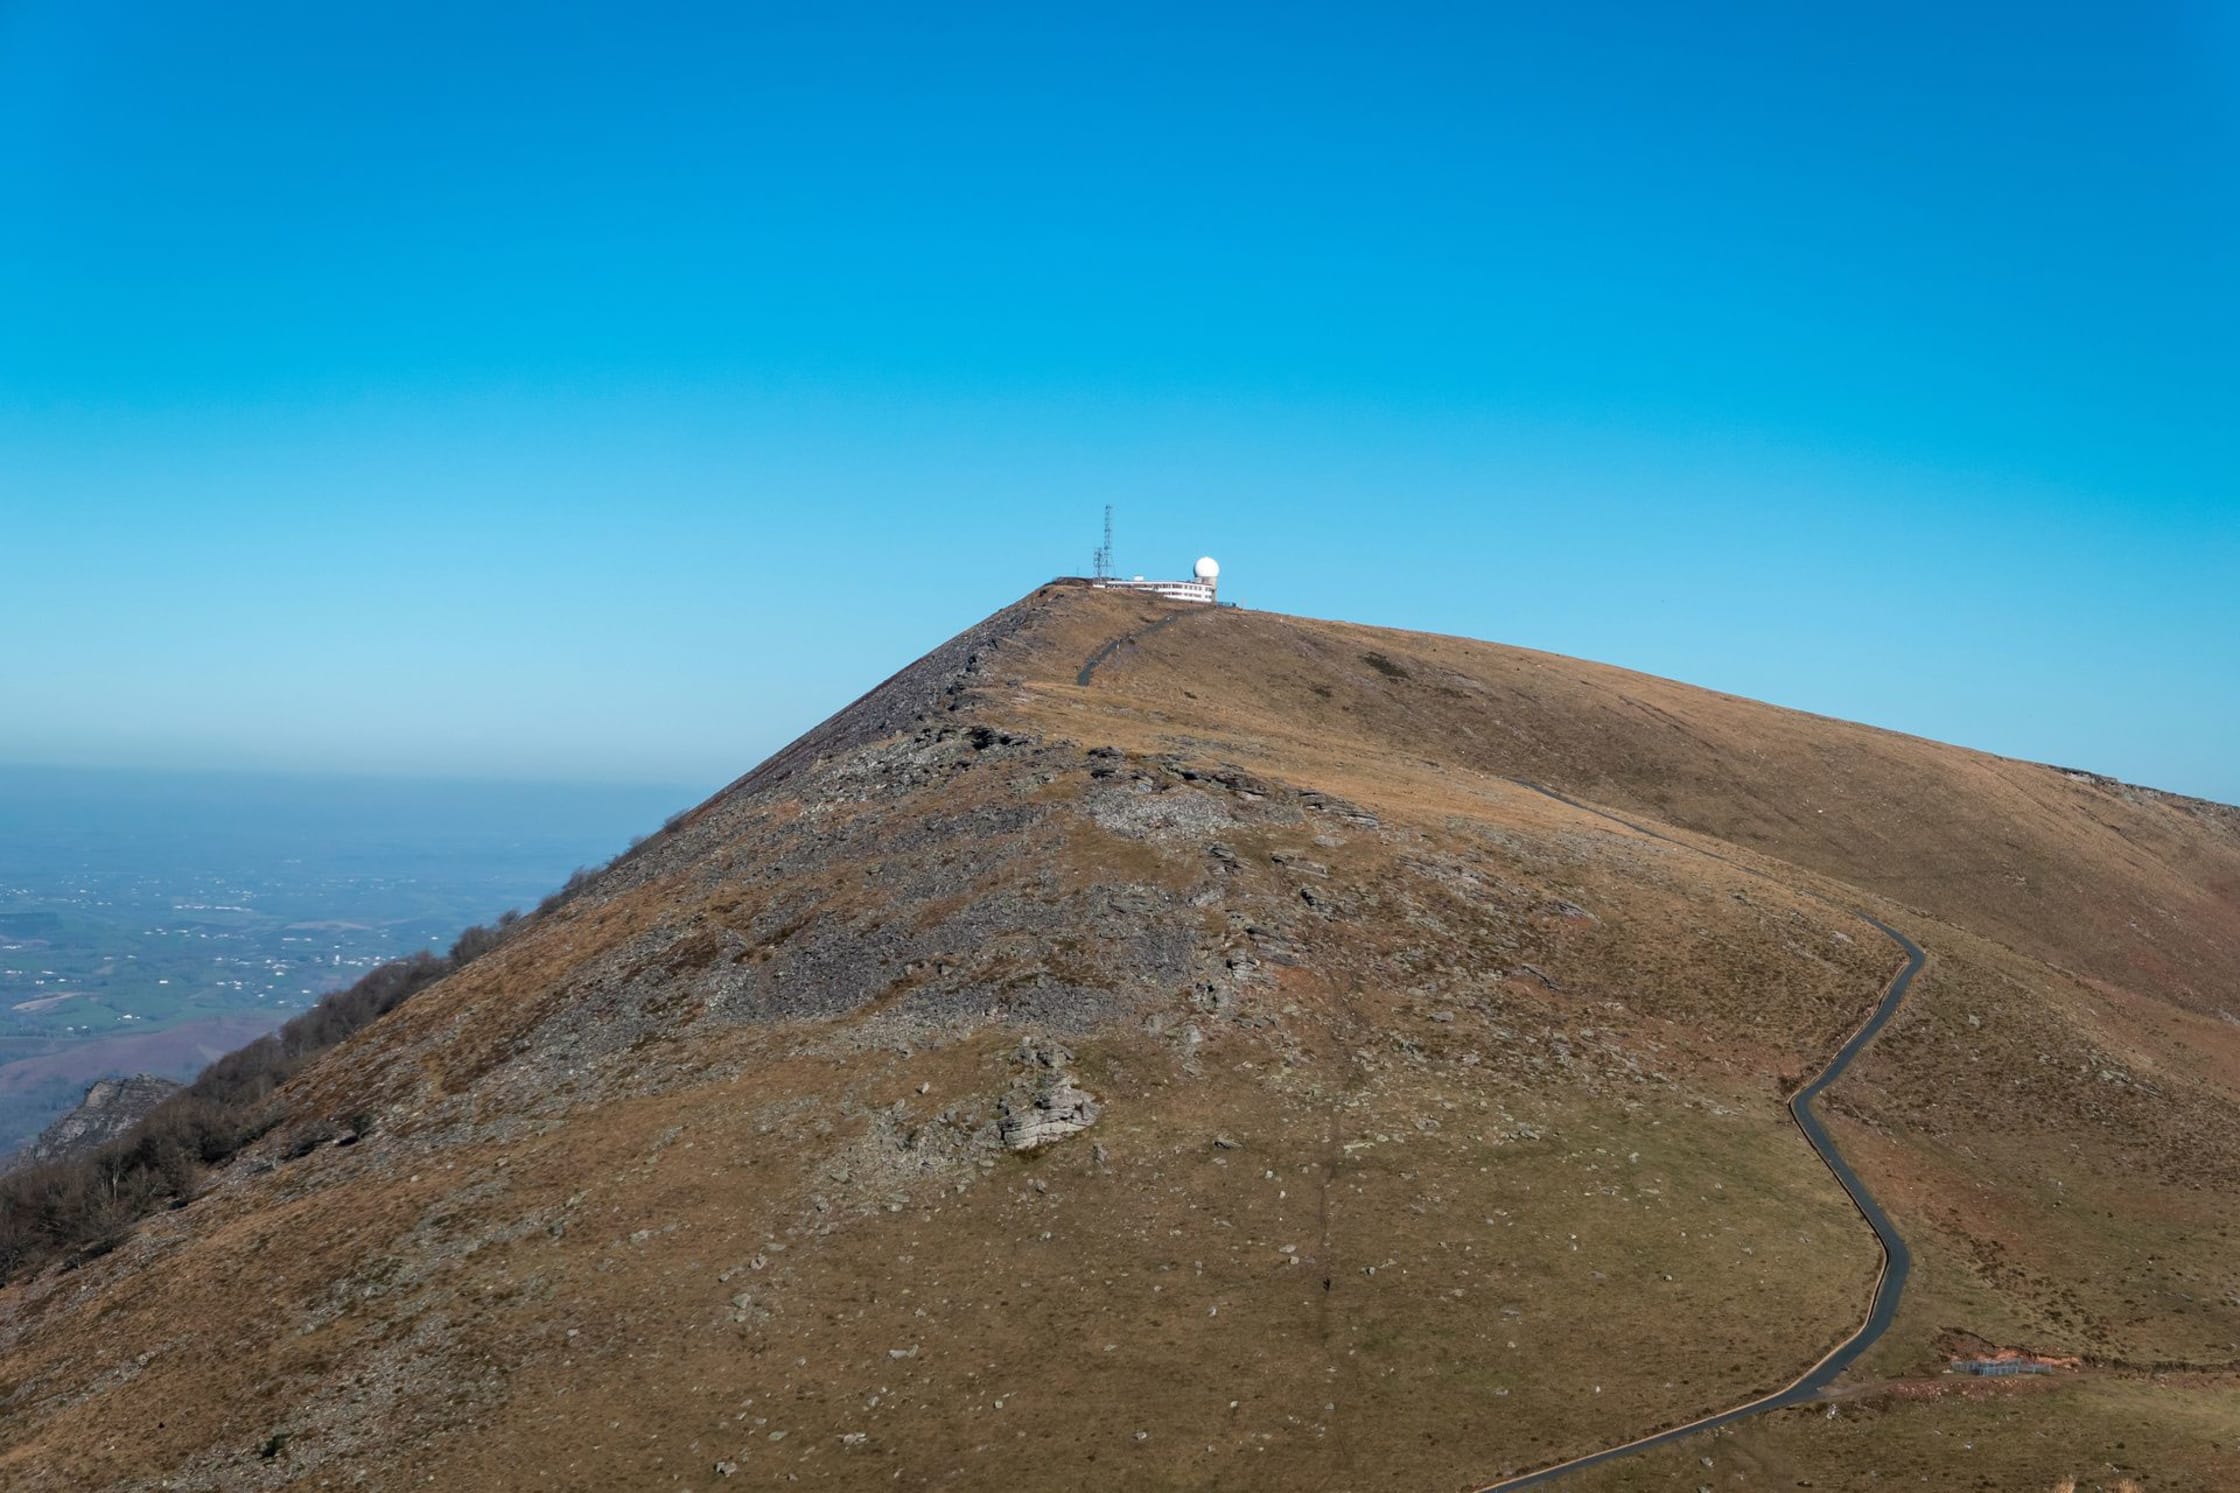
(610, 392)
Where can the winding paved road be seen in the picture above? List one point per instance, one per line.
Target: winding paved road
(1897, 1261)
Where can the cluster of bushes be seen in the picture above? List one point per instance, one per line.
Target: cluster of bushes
(82, 1206)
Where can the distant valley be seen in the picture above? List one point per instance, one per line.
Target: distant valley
(151, 922)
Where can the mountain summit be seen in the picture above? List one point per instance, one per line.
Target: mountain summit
(1146, 1044)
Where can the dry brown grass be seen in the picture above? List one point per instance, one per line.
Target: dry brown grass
(1511, 1176)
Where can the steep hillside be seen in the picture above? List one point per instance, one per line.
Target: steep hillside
(1148, 1045)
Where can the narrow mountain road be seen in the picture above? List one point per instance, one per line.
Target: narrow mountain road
(1089, 668)
(1897, 1260)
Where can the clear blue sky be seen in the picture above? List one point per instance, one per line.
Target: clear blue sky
(609, 392)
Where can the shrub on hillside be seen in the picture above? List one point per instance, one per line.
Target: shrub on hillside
(83, 1206)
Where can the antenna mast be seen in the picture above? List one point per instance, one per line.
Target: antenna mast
(1104, 553)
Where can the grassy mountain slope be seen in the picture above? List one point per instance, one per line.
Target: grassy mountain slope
(1434, 1125)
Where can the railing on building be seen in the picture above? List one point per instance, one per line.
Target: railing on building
(1175, 590)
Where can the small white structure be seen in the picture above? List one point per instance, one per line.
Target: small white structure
(1206, 581)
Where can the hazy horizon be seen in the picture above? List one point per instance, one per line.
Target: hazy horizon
(687, 794)
(150, 920)
(253, 772)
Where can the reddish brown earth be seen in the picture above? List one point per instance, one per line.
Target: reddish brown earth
(1437, 1125)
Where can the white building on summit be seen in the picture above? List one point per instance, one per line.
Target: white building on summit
(1205, 576)
(1205, 581)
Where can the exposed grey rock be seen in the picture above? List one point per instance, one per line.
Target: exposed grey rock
(1051, 1113)
(1143, 812)
(110, 1108)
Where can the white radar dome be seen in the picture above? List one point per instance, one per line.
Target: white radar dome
(1206, 570)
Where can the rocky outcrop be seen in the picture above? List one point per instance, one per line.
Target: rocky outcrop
(110, 1108)
(1050, 1115)
(1045, 1107)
